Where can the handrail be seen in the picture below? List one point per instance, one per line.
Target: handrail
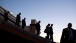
(8, 18)
(11, 18)
(2, 8)
(9, 13)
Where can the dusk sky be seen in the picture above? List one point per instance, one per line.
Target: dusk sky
(56, 12)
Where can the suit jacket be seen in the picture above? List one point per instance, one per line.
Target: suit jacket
(47, 29)
(65, 36)
(51, 30)
(23, 22)
(18, 18)
(37, 26)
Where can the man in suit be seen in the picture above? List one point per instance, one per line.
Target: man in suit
(23, 23)
(38, 27)
(51, 32)
(6, 15)
(18, 19)
(68, 34)
(47, 30)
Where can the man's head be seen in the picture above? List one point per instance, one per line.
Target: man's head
(48, 24)
(69, 25)
(7, 11)
(19, 13)
(24, 18)
(51, 24)
(39, 21)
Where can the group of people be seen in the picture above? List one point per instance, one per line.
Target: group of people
(68, 34)
(18, 19)
(48, 30)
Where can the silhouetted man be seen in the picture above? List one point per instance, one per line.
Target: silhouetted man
(68, 35)
(6, 15)
(51, 32)
(47, 31)
(23, 23)
(18, 19)
(38, 27)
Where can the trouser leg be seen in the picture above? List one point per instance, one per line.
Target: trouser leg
(51, 37)
(47, 36)
(23, 26)
(38, 32)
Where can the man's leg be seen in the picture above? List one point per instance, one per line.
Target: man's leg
(51, 37)
(22, 26)
(38, 32)
(5, 19)
(47, 36)
(18, 23)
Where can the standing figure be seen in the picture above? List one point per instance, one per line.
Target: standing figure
(18, 19)
(23, 23)
(47, 30)
(51, 32)
(6, 15)
(38, 27)
(68, 34)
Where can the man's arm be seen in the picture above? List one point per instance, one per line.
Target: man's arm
(25, 23)
(39, 26)
(62, 37)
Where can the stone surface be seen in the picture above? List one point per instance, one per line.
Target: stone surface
(33, 21)
(27, 28)
(26, 32)
(32, 29)
(6, 37)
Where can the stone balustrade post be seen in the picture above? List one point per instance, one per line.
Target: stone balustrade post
(33, 26)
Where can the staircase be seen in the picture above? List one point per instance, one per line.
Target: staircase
(10, 33)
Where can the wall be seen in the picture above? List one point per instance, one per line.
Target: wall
(31, 29)
(7, 37)
(19, 32)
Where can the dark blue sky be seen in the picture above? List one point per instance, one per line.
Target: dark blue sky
(58, 12)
